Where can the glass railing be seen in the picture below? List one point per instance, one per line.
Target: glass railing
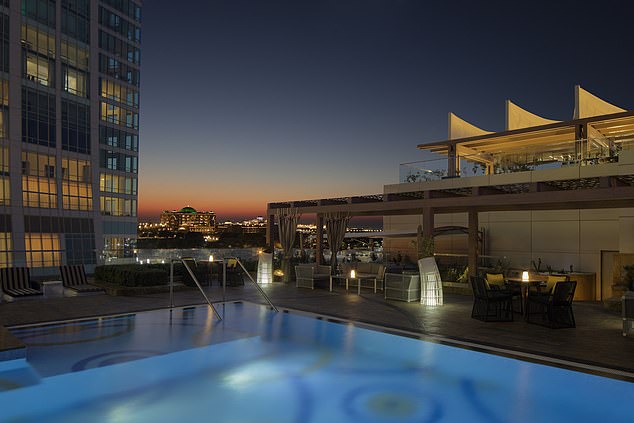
(595, 152)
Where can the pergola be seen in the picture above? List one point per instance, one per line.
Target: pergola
(588, 145)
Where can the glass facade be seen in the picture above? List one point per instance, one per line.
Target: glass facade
(77, 173)
(4, 42)
(38, 117)
(118, 138)
(38, 51)
(75, 127)
(119, 60)
(39, 187)
(76, 19)
(43, 250)
(76, 184)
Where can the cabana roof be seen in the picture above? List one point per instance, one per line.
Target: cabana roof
(596, 121)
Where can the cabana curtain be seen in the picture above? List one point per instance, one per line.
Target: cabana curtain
(336, 224)
(287, 225)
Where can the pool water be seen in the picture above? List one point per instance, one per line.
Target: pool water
(261, 366)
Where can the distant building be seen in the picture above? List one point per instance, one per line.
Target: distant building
(188, 219)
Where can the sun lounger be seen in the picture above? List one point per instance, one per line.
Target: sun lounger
(74, 277)
(16, 282)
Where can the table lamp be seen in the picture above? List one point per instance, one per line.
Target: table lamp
(524, 276)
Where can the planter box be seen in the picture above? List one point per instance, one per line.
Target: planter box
(628, 313)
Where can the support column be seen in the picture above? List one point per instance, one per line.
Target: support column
(319, 242)
(270, 232)
(473, 243)
(452, 162)
(581, 141)
(428, 222)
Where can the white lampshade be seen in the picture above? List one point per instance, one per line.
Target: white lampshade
(353, 274)
(525, 276)
(211, 257)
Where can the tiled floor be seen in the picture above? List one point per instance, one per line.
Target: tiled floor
(597, 339)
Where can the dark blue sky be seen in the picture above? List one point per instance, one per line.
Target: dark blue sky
(245, 102)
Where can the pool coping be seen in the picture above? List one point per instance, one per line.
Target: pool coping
(518, 354)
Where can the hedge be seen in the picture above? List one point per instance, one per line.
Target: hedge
(133, 275)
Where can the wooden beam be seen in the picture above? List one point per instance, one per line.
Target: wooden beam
(270, 232)
(319, 242)
(473, 243)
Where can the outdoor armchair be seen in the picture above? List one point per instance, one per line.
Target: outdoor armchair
(555, 309)
(490, 304)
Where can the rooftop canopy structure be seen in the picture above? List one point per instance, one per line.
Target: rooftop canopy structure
(536, 164)
(596, 134)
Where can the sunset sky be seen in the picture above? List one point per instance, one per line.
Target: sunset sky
(245, 102)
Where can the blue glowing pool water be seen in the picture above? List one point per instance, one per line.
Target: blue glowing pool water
(261, 366)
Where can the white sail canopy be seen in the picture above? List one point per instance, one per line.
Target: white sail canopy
(588, 105)
(460, 128)
(518, 118)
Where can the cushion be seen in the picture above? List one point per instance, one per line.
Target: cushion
(495, 279)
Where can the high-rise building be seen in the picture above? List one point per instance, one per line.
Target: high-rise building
(69, 124)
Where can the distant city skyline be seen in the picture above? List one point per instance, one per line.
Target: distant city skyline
(249, 102)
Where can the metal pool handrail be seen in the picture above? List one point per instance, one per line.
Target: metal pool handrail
(189, 270)
(224, 283)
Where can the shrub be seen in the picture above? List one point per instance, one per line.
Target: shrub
(132, 275)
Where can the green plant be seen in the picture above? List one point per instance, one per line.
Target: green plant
(628, 276)
(132, 275)
(502, 266)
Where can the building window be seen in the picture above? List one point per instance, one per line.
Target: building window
(4, 42)
(38, 40)
(75, 81)
(75, 127)
(117, 184)
(118, 138)
(38, 117)
(38, 51)
(76, 185)
(115, 206)
(119, 115)
(80, 248)
(6, 254)
(42, 249)
(114, 160)
(5, 190)
(127, 7)
(116, 69)
(118, 248)
(42, 11)
(119, 25)
(4, 109)
(39, 69)
(119, 93)
(74, 55)
(76, 19)
(39, 188)
(119, 48)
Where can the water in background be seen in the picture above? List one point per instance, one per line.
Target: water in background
(164, 255)
(250, 254)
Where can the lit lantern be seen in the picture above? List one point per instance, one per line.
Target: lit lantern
(353, 274)
(524, 276)
(265, 268)
(211, 257)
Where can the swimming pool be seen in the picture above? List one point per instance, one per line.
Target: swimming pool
(261, 366)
